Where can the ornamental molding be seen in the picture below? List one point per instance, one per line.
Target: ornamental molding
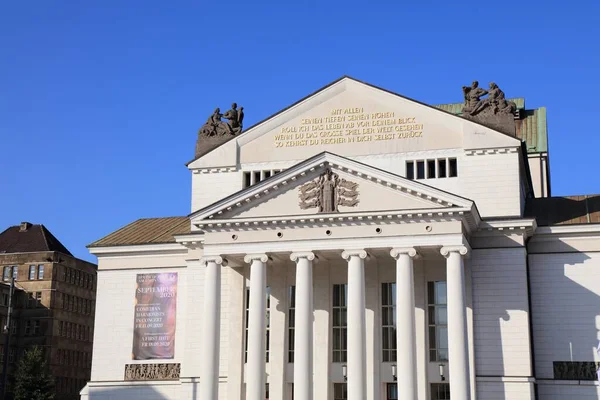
(463, 250)
(396, 252)
(488, 151)
(347, 254)
(464, 215)
(256, 257)
(214, 170)
(309, 255)
(152, 372)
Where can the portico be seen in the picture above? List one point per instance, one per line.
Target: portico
(305, 261)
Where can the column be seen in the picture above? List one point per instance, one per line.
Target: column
(458, 351)
(209, 373)
(303, 330)
(255, 367)
(406, 359)
(357, 333)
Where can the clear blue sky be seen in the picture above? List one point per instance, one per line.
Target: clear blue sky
(100, 101)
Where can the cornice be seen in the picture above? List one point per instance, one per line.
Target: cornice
(214, 170)
(146, 249)
(522, 226)
(356, 218)
(491, 150)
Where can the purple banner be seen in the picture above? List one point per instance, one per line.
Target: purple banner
(155, 308)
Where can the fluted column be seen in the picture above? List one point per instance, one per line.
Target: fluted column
(458, 350)
(209, 372)
(303, 326)
(406, 359)
(357, 333)
(255, 367)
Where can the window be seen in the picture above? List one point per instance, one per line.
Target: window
(27, 327)
(452, 168)
(441, 168)
(5, 299)
(291, 322)
(31, 272)
(420, 169)
(253, 177)
(268, 323)
(266, 391)
(388, 321)
(40, 272)
(392, 391)
(340, 323)
(60, 328)
(340, 391)
(11, 355)
(430, 169)
(410, 170)
(36, 327)
(438, 321)
(38, 299)
(440, 391)
(6, 274)
(15, 272)
(13, 327)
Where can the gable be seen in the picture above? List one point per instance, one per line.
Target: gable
(327, 181)
(352, 118)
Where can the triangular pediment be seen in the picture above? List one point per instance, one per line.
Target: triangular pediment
(330, 185)
(352, 118)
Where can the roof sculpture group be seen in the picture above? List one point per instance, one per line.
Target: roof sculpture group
(494, 111)
(216, 132)
(495, 103)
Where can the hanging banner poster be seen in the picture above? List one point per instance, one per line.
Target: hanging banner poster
(155, 307)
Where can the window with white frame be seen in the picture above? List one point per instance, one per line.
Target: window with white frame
(438, 321)
(31, 272)
(388, 321)
(432, 168)
(291, 322)
(340, 323)
(40, 272)
(253, 177)
(268, 322)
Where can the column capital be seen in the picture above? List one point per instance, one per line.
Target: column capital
(251, 257)
(216, 259)
(346, 254)
(463, 250)
(396, 252)
(309, 255)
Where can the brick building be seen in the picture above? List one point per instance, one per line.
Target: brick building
(53, 305)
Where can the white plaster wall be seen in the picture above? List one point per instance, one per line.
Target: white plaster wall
(113, 336)
(490, 390)
(208, 188)
(500, 301)
(569, 391)
(493, 182)
(565, 302)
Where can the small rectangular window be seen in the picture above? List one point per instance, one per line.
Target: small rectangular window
(388, 321)
(452, 168)
(60, 328)
(6, 274)
(430, 169)
(38, 299)
(410, 170)
(15, 272)
(256, 176)
(31, 272)
(392, 391)
(36, 327)
(440, 391)
(340, 323)
(267, 174)
(40, 272)
(441, 168)
(420, 169)
(247, 179)
(340, 391)
(5, 299)
(27, 327)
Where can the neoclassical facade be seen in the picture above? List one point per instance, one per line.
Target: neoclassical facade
(358, 245)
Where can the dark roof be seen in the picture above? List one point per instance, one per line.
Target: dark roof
(564, 210)
(146, 231)
(29, 238)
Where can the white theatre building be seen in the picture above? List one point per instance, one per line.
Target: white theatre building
(358, 245)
